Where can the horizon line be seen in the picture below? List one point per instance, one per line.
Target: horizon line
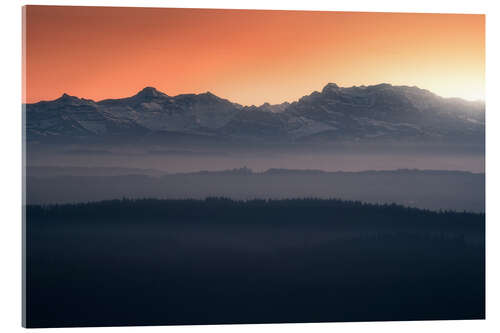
(250, 105)
(257, 172)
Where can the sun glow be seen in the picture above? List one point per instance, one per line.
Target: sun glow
(249, 57)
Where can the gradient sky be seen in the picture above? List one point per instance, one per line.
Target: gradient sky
(249, 57)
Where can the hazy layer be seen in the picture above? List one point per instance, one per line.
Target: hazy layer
(192, 159)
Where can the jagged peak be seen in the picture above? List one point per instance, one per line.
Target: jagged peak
(330, 87)
(150, 92)
(209, 94)
(195, 95)
(65, 98)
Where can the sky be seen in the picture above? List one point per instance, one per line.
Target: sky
(248, 57)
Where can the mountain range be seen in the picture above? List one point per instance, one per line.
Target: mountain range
(377, 113)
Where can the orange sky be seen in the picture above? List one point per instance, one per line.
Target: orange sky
(249, 57)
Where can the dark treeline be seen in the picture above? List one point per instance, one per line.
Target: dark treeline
(215, 261)
(218, 209)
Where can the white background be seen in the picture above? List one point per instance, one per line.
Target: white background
(10, 157)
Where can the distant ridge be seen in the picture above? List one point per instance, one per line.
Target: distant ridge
(150, 91)
(428, 189)
(51, 171)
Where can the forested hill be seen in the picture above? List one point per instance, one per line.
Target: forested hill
(217, 210)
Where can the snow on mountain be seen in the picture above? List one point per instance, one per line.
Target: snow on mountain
(335, 114)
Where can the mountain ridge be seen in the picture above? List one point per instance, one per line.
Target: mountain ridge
(357, 113)
(329, 84)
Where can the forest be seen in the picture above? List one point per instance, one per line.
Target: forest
(217, 260)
